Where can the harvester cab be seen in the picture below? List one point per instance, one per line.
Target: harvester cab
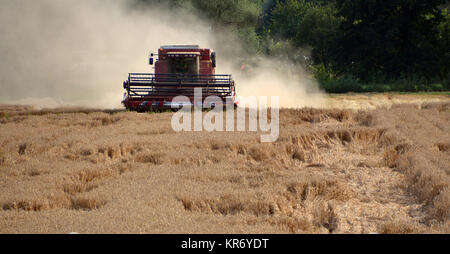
(179, 69)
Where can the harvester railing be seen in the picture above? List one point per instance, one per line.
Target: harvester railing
(140, 85)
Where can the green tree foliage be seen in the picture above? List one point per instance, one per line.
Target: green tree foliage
(444, 49)
(240, 16)
(235, 13)
(354, 44)
(316, 27)
(393, 39)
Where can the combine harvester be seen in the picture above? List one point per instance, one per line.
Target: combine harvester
(178, 70)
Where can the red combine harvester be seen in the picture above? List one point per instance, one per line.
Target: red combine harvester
(178, 70)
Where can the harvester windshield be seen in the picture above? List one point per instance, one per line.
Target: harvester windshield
(183, 65)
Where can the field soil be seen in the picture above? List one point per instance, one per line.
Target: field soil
(356, 166)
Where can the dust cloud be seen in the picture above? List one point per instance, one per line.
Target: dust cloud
(78, 52)
(273, 77)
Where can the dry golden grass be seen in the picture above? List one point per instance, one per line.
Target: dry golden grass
(331, 171)
(86, 203)
(311, 189)
(398, 227)
(325, 216)
(156, 158)
(2, 157)
(443, 147)
(228, 205)
(292, 225)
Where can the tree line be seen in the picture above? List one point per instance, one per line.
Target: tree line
(349, 45)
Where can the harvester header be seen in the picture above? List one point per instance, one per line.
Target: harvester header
(179, 69)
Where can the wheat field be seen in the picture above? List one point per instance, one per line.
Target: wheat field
(341, 169)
